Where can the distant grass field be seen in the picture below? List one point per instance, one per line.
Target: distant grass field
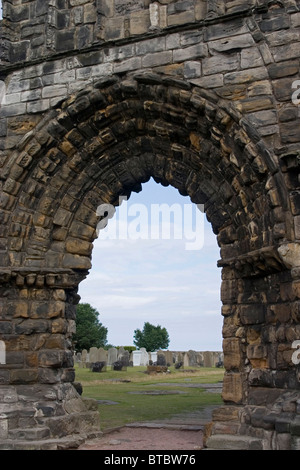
(116, 385)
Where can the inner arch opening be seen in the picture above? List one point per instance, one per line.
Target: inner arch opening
(139, 275)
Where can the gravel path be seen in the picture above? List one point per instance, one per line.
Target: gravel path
(181, 432)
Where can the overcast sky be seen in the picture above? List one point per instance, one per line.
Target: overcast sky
(133, 281)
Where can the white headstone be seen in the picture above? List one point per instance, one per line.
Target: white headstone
(136, 358)
(144, 357)
(153, 356)
(2, 353)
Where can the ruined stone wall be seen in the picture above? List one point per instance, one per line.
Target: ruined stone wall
(101, 96)
(42, 28)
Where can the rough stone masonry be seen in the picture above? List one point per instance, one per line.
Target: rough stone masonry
(96, 98)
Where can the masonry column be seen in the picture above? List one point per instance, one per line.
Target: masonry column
(39, 405)
(235, 381)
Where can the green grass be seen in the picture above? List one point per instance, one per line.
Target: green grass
(135, 407)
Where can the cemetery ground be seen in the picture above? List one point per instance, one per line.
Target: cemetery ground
(133, 405)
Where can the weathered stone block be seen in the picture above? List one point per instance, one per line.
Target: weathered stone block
(246, 76)
(181, 18)
(232, 353)
(24, 376)
(197, 51)
(218, 63)
(139, 22)
(157, 58)
(232, 388)
(290, 132)
(252, 314)
(231, 43)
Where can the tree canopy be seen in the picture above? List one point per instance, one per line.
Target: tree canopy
(151, 337)
(89, 331)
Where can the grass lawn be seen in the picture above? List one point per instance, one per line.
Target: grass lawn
(116, 386)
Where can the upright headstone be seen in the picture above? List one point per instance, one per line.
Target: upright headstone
(93, 355)
(121, 351)
(112, 356)
(169, 357)
(153, 356)
(200, 359)
(179, 357)
(208, 362)
(136, 358)
(124, 358)
(161, 358)
(84, 357)
(186, 361)
(144, 357)
(102, 355)
(192, 358)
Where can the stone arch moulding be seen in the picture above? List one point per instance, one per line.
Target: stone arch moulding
(64, 151)
(100, 144)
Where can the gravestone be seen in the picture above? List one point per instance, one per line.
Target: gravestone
(121, 351)
(200, 359)
(93, 355)
(144, 357)
(208, 359)
(102, 355)
(169, 357)
(186, 360)
(192, 355)
(84, 357)
(136, 358)
(124, 358)
(153, 356)
(112, 356)
(161, 358)
(98, 366)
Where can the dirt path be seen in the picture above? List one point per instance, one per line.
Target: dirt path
(181, 432)
(147, 439)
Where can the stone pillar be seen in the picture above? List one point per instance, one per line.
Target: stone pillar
(234, 390)
(261, 388)
(39, 406)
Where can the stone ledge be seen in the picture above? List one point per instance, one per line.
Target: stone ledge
(63, 443)
(229, 442)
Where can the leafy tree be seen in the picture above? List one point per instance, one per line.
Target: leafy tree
(89, 331)
(151, 337)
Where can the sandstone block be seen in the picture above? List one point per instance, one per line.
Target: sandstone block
(197, 51)
(231, 43)
(232, 388)
(232, 353)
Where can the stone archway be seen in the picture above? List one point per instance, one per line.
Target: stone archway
(100, 144)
